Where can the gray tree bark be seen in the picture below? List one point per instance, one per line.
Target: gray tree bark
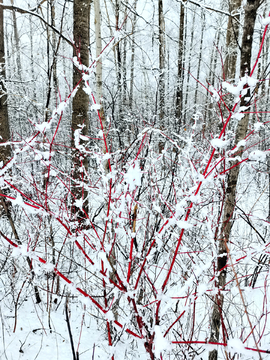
(118, 66)
(230, 196)
(201, 54)
(17, 44)
(189, 65)
(98, 51)
(232, 41)
(99, 70)
(179, 89)
(54, 49)
(161, 83)
(80, 104)
(132, 57)
(5, 151)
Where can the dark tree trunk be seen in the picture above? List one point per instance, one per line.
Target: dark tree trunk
(232, 42)
(230, 196)
(179, 89)
(5, 151)
(80, 105)
(161, 84)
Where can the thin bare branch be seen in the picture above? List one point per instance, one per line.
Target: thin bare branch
(210, 8)
(25, 11)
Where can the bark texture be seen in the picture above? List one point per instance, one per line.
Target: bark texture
(132, 57)
(80, 104)
(232, 41)
(99, 61)
(200, 58)
(81, 13)
(118, 67)
(5, 151)
(179, 89)
(230, 197)
(161, 85)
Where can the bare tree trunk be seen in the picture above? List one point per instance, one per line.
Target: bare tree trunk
(132, 58)
(5, 151)
(54, 45)
(80, 104)
(118, 64)
(49, 87)
(99, 70)
(232, 42)
(179, 89)
(214, 61)
(230, 196)
(161, 84)
(189, 64)
(200, 56)
(124, 67)
(211, 79)
(98, 51)
(17, 44)
(32, 91)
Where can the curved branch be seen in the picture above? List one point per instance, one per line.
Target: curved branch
(203, 6)
(25, 11)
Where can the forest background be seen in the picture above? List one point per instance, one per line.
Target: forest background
(134, 180)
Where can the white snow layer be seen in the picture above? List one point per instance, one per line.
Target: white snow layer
(160, 342)
(265, 21)
(238, 89)
(133, 176)
(257, 155)
(236, 346)
(218, 143)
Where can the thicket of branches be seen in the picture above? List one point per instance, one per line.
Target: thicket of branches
(152, 209)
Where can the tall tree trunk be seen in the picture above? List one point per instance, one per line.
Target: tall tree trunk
(189, 64)
(232, 42)
(98, 51)
(179, 89)
(118, 64)
(132, 57)
(200, 57)
(99, 70)
(214, 61)
(230, 196)
(161, 84)
(5, 151)
(80, 104)
(32, 92)
(17, 44)
(124, 67)
(211, 79)
(54, 45)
